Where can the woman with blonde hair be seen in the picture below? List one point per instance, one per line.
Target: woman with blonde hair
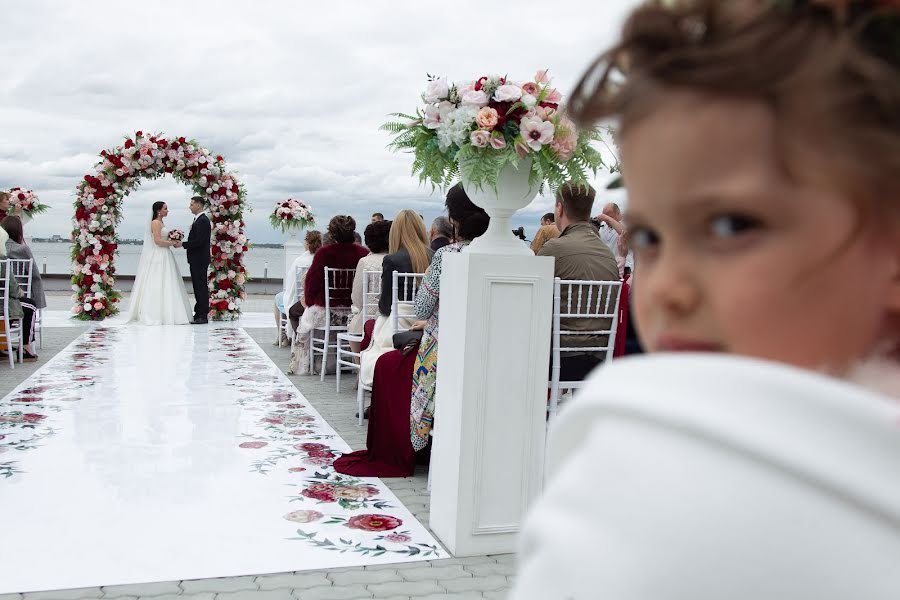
(409, 253)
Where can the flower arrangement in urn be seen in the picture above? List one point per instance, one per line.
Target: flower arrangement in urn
(475, 129)
(25, 202)
(291, 214)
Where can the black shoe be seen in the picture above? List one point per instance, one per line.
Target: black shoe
(199, 322)
(365, 413)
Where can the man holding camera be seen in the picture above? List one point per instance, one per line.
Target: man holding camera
(613, 232)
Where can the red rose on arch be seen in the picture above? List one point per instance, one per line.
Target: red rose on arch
(374, 522)
(224, 284)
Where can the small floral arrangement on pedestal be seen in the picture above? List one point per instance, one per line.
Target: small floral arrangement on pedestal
(25, 202)
(176, 235)
(477, 128)
(291, 214)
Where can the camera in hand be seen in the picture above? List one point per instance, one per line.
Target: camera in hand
(519, 233)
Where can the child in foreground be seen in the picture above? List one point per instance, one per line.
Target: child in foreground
(760, 143)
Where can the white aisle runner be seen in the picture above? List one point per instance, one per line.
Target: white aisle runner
(143, 454)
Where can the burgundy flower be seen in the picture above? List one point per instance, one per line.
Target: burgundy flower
(323, 492)
(374, 522)
(33, 417)
(321, 453)
(274, 420)
(310, 447)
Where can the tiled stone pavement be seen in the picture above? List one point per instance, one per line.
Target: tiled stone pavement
(461, 578)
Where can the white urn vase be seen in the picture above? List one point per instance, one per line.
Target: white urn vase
(513, 192)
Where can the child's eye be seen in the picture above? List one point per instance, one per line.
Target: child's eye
(642, 238)
(727, 226)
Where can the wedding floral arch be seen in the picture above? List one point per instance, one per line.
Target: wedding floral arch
(98, 212)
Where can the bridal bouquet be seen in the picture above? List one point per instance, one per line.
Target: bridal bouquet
(478, 127)
(176, 235)
(25, 202)
(291, 214)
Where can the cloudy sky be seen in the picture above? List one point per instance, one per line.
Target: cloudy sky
(291, 94)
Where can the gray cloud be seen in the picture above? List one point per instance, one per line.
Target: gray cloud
(290, 94)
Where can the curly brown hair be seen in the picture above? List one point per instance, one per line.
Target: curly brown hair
(313, 240)
(829, 71)
(341, 228)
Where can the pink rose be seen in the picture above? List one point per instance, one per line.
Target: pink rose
(508, 93)
(254, 445)
(311, 447)
(297, 469)
(530, 88)
(323, 492)
(480, 138)
(321, 461)
(542, 77)
(565, 139)
(303, 516)
(475, 98)
(487, 118)
(98, 306)
(497, 141)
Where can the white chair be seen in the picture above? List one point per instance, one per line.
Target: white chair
(12, 328)
(592, 301)
(300, 275)
(409, 283)
(338, 287)
(371, 291)
(23, 269)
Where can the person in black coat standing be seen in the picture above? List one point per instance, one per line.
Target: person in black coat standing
(197, 246)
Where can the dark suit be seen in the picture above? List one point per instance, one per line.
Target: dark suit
(197, 246)
(400, 262)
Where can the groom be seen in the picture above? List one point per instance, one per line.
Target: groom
(197, 246)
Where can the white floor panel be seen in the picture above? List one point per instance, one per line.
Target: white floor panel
(143, 454)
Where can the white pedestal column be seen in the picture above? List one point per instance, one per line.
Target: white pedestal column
(292, 249)
(491, 399)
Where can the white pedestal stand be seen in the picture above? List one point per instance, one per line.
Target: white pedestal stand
(491, 400)
(293, 248)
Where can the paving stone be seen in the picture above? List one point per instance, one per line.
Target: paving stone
(405, 588)
(256, 595)
(467, 560)
(292, 581)
(79, 594)
(365, 577)
(483, 584)
(435, 572)
(481, 570)
(347, 592)
(10, 596)
(497, 595)
(223, 584)
(505, 558)
(142, 590)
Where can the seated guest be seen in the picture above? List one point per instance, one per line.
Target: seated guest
(17, 249)
(441, 233)
(544, 234)
(377, 242)
(579, 254)
(289, 297)
(409, 253)
(342, 254)
(4, 204)
(357, 239)
(20, 307)
(469, 221)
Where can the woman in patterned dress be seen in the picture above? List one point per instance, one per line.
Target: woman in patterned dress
(469, 222)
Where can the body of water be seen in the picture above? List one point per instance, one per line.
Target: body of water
(56, 257)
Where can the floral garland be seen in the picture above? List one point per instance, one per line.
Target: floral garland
(291, 214)
(477, 128)
(98, 211)
(26, 202)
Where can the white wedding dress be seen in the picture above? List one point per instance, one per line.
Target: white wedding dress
(158, 296)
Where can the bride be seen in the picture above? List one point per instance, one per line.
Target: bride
(158, 296)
